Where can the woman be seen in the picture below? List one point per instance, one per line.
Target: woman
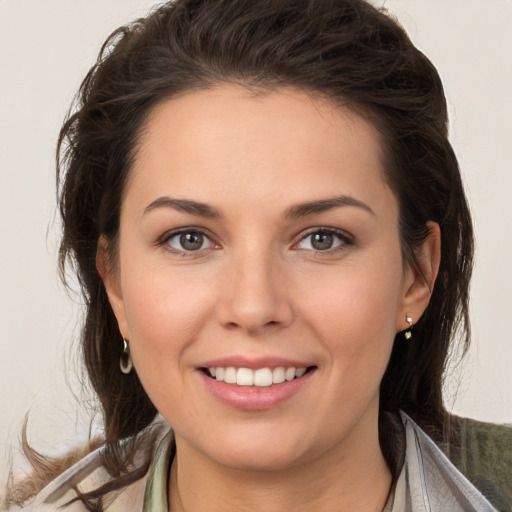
(271, 233)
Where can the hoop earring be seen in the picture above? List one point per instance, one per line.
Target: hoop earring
(408, 333)
(125, 361)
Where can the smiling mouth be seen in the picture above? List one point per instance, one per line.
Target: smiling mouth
(262, 377)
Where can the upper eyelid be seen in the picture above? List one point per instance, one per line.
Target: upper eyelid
(186, 229)
(324, 229)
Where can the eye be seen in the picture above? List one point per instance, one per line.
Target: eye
(323, 240)
(188, 241)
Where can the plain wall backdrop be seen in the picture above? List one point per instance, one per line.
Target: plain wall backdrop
(47, 46)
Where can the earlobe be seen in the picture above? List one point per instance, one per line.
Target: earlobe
(110, 278)
(419, 280)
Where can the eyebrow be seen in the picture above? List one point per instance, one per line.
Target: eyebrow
(296, 211)
(184, 205)
(322, 205)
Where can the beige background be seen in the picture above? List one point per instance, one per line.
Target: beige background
(46, 46)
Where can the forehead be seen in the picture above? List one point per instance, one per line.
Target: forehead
(283, 143)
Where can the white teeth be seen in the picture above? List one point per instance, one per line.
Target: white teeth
(262, 377)
(289, 374)
(299, 372)
(230, 375)
(244, 377)
(278, 375)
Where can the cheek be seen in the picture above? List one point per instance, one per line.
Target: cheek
(164, 321)
(353, 313)
(165, 312)
(354, 299)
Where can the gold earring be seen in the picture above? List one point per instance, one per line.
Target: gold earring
(125, 361)
(408, 333)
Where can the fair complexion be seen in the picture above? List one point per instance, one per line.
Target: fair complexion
(258, 232)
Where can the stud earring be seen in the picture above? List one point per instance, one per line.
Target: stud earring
(125, 361)
(408, 333)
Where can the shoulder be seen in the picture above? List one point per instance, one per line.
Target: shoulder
(483, 453)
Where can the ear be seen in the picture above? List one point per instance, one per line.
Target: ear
(419, 282)
(111, 279)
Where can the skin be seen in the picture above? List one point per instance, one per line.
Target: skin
(258, 287)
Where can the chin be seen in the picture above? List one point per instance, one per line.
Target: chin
(255, 448)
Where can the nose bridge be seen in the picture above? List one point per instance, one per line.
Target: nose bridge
(255, 294)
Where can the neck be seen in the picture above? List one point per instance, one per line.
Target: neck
(352, 476)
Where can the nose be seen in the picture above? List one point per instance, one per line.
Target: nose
(254, 296)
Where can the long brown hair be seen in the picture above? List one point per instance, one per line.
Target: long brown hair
(344, 50)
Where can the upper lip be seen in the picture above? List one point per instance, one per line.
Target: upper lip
(240, 361)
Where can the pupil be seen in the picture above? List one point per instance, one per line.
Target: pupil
(322, 241)
(191, 241)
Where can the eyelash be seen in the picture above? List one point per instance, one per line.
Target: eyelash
(343, 237)
(164, 240)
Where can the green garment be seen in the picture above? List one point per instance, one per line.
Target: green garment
(155, 497)
(484, 456)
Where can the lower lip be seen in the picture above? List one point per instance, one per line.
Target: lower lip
(254, 398)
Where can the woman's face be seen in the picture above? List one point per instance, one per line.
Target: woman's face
(259, 237)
